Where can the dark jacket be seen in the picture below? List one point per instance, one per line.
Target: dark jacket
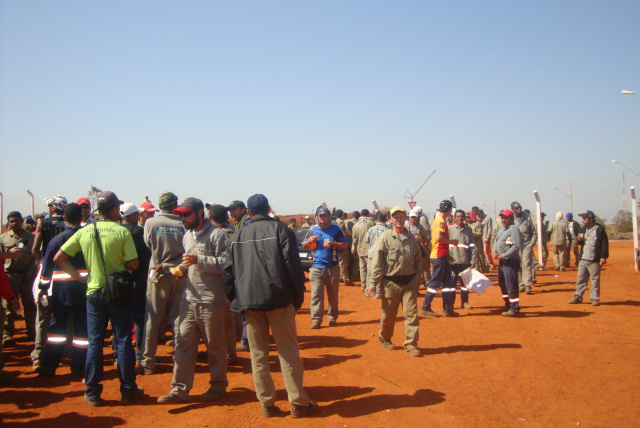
(602, 243)
(263, 270)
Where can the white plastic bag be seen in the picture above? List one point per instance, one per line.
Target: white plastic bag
(475, 281)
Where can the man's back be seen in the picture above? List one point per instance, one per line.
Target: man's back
(163, 235)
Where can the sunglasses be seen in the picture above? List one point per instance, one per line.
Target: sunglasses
(186, 214)
(517, 208)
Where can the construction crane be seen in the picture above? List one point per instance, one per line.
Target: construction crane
(411, 196)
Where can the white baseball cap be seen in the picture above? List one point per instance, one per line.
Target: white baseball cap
(127, 209)
(414, 213)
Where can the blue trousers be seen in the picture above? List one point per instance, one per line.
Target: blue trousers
(98, 315)
(508, 281)
(441, 277)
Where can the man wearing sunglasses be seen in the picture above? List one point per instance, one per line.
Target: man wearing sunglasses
(203, 307)
(529, 238)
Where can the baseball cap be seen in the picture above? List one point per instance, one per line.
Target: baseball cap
(307, 217)
(506, 213)
(14, 214)
(445, 206)
(127, 209)
(587, 214)
(108, 199)
(166, 198)
(414, 213)
(30, 220)
(418, 210)
(397, 209)
(256, 203)
(58, 202)
(322, 210)
(570, 215)
(147, 206)
(84, 202)
(188, 205)
(237, 204)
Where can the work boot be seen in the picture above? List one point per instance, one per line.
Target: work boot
(522, 288)
(269, 411)
(243, 346)
(315, 325)
(450, 313)
(595, 302)
(528, 290)
(136, 396)
(575, 300)
(429, 313)
(466, 305)
(386, 344)
(211, 395)
(304, 411)
(414, 352)
(333, 323)
(172, 398)
(510, 313)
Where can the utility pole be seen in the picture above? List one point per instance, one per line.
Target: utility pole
(624, 193)
(33, 207)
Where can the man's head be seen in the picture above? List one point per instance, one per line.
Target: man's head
(414, 217)
(506, 217)
(324, 216)
(365, 213)
(475, 210)
(85, 204)
(167, 201)
(569, 217)
(445, 208)
(56, 204)
(398, 218)
(256, 204)
(459, 218)
(418, 209)
(307, 219)
(237, 209)
(15, 221)
(73, 214)
(191, 211)
(339, 213)
(588, 218)
(109, 205)
(218, 214)
(147, 211)
(480, 214)
(293, 221)
(129, 213)
(355, 215)
(517, 209)
(381, 217)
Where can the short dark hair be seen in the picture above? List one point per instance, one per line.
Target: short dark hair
(105, 211)
(356, 215)
(339, 213)
(460, 211)
(382, 217)
(218, 213)
(473, 208)
(514, 203)
(364, 212)
(73, 213)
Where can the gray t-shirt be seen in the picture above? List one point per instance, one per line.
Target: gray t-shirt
(589, 251)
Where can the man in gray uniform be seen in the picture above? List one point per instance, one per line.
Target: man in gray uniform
(343, 260)
(203, 307)
(595, 252)
(487, 234)
(426, 262)
(397, 268)
(163, 235)
(359, 247)
(559, 234)
(373, 235)
(574, 230)
(529, 238)
(507, 252)
(463, 255)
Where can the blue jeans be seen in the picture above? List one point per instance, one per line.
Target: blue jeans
(98, 315)
(441, 276)
(508, 281)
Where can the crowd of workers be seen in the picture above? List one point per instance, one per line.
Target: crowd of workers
(191, 269)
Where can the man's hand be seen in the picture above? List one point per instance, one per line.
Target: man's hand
(495, 256)
(41, 295)
(14, 253)
(486, 240)
(603, 262)
(190, 259)
(454, 242)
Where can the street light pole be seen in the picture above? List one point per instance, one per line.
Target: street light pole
(567, 196)
(32, 203)
(624, 166)
(634, 217)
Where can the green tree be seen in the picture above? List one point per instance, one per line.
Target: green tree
(622, 221)
(93, 195)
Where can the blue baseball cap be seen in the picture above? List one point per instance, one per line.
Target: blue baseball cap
(569, 215)
(258, 203)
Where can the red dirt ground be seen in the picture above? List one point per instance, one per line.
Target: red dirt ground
(559, 365)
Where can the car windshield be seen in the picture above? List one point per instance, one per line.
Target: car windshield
(301, 233)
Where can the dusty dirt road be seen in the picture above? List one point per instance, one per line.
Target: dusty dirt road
(558, 366)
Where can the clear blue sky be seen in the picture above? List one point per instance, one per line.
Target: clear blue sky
(312, 101)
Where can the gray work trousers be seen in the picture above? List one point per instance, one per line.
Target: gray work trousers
(283, 326)
(588, 269)
(394, 295)
(560, 256)
(43, 319)
(320, 279)
(163, 297)
(230, 332)
(575, 248)
(343, 261)
(206, 321)
(22, 287)
(363, 272)
(525, 277)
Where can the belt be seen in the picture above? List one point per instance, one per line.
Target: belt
(399, 279)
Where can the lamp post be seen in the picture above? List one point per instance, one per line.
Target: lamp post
(624, 166)
(32, 203)
(567, 196)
